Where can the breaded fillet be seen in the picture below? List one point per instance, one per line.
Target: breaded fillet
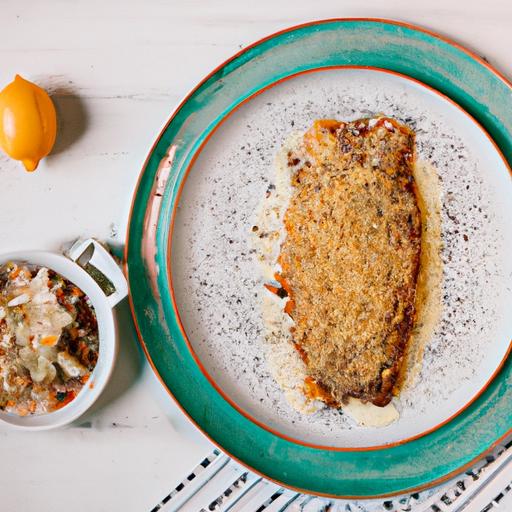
(351, 256)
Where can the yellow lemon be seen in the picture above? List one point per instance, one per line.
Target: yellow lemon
(28, 122)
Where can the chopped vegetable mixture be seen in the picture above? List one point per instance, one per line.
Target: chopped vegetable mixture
(49, 341)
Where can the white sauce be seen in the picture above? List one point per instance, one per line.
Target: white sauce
(369, 415)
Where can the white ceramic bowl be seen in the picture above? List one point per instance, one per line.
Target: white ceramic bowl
(69, 266)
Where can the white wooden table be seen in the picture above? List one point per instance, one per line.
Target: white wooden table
(116, 69)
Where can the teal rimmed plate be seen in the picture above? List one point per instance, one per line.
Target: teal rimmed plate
(364, 470)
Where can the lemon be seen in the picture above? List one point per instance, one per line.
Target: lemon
(28, 122)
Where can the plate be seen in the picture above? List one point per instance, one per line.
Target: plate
(324, 463)
(218, 285)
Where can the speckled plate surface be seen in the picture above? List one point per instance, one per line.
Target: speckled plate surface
(214, 291)
(215, 273)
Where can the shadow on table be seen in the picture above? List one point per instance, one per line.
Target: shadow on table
(72, 118)
(128, 365)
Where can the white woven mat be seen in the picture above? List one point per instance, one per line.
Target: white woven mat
(219, 484)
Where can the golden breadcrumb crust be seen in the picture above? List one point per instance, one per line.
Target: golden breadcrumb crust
(351, 256)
